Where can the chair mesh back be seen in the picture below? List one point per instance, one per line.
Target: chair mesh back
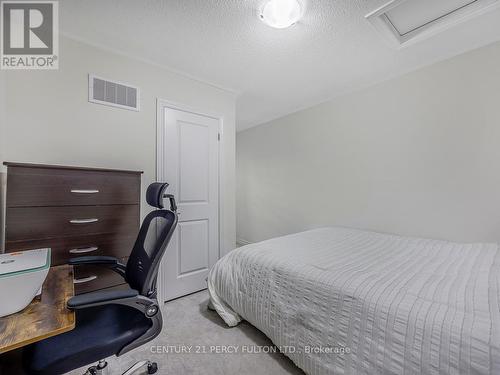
(154, 235)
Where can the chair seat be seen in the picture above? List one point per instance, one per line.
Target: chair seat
(100, 332)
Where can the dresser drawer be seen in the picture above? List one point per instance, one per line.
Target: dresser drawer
(76, 211)
(31, 223)
(66, 187)
(90, 278)
(64, 248)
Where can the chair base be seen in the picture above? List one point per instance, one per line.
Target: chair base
(151, 366)
(102, 368)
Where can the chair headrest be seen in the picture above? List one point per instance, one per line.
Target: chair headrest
(155, 194)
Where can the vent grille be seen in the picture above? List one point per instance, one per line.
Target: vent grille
(113, 93)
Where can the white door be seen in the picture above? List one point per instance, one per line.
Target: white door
(190, 165)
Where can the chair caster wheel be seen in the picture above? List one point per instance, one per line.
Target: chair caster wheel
(152, 368)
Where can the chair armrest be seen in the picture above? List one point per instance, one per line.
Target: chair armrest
(100, 298)
(105, 261)
(93, 260)
(129, 297)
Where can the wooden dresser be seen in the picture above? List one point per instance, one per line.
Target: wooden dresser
(76, 212)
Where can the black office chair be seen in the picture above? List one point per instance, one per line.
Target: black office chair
(116, 321)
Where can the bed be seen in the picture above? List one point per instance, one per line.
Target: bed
(338, 300)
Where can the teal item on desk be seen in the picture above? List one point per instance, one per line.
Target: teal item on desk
(22, 275)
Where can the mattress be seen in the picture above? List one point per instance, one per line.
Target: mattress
(346, 301)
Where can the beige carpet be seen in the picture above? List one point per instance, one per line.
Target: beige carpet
(190, 326)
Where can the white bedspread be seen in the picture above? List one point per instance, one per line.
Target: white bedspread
(392, 304)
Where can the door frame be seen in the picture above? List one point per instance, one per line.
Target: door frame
(161, 104)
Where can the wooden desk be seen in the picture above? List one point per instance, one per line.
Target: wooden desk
(44, 317)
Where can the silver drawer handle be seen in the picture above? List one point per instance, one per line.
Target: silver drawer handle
(83, 221)
(84, 280)
(83, 191)
(83, 250)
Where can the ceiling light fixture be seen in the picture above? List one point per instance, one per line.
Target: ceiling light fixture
(281, 14)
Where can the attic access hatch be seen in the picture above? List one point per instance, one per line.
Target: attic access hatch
(403, 22)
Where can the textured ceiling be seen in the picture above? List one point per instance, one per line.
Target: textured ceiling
(331, 51)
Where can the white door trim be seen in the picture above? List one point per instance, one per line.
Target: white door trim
(160, 157)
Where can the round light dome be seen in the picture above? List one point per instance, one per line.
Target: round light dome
(281, 13)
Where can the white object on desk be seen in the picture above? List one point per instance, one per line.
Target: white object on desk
(21, 277)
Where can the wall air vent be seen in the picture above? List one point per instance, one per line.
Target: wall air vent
(113, 93)
(403, 22)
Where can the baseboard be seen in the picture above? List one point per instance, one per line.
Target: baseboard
(242, 242)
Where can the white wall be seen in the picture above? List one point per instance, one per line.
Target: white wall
(418, 155)
(49, 119)
(2, 141)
